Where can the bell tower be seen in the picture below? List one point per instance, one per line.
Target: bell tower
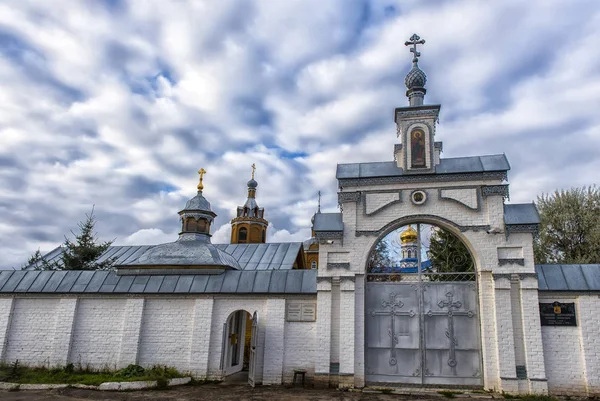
(417, 152)
(250, 226)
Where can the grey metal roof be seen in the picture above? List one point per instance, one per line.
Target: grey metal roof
(328, 222)
(107, 282)
(273, 256)
(183, 253)
(568, 277)
(470, 164)
(521, 213)
(198, 202)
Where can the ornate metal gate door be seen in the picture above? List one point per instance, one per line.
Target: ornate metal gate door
(253, 343)
(422, 327)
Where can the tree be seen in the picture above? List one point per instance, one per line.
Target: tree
(570, 226)
(448, 254)
(81, 254)
(380, 258)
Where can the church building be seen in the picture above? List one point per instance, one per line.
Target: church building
(425, 277)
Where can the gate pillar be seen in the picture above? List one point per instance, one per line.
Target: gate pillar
(532, 334)
(504, 328)
(323, 349)
(347, 313)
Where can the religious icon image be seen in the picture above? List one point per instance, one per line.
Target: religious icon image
(417, 147)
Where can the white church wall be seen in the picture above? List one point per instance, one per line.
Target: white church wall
(97, 332)
(166, 333)
(31, 332)
(571, 352)
(299, 345)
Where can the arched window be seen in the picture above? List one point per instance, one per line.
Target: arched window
(313, 264)
(243, 234)
(264, 236)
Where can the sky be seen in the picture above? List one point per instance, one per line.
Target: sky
(116, 104)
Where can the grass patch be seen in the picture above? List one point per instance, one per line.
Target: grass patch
(449, 394)
(70, 374)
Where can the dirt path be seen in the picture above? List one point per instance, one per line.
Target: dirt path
(206, 392)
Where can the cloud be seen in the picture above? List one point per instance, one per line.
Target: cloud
(119, 105)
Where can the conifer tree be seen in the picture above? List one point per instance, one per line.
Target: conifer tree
(80, 254)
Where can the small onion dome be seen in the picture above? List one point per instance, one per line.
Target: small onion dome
(409, 235)
(252, 183)
(198, 202)
(415, 78)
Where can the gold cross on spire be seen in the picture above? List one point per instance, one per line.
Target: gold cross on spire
(200, 185)
(253, 169)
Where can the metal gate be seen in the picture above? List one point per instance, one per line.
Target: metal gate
(253, 343)
(422, 328)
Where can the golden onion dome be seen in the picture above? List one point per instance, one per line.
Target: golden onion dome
(408, 235)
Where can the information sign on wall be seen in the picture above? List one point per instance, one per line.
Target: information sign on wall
(558, 314)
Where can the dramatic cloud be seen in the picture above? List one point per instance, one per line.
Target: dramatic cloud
(117, 104)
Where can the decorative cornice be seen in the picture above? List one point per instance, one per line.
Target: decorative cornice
(344, 197)
(324, 236)
(510, 261)
(409, 219)
(491, 190)
(249, 220)
(197, 215)
(523, 276)
(404, 179)
(427, 113)
(331, 265)
(509, 276)
(521, 228)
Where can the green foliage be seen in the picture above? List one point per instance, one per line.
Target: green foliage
(130, 371)
(80, 254)
(71, 374)
(380, 257)
(448, 254)
(449, 394)
(570, 226)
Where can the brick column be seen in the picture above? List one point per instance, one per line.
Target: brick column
(132, 331)
(359, 331)
(203, 311)
(6, 310)
(489, 334)
(323, 348)
(505, 334)
(274, 341)
(532, 334)
(63, 331)
(589, 327)
(346, 344)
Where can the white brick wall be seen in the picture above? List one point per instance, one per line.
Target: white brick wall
(31, 332)
(166, 333)
(299, 349)
(572, 358)
(97, 332)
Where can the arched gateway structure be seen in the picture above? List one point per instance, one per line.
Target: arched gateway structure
(397, 303)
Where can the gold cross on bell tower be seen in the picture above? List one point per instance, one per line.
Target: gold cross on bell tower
(253, 169)
(200, 185)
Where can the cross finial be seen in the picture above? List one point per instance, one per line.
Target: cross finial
(414, 41)
(319, 205)
(253, 169)
(200, 185)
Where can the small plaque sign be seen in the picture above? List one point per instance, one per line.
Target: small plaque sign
(558, 314)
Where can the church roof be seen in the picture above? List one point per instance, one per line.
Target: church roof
(273, 256)
(328, 222)
(521, 213)
(568, 277)
(455, 165)
(108, 282)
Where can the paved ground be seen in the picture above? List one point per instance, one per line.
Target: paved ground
(209, 392)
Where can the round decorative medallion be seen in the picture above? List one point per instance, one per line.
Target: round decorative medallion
(418, 197)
